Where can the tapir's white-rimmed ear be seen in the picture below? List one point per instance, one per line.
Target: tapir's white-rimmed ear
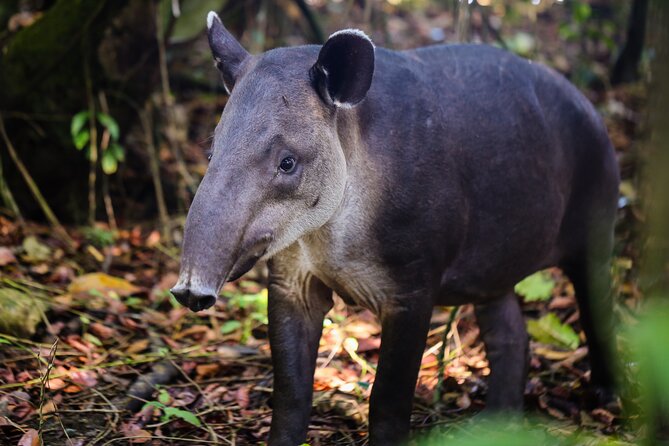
(344, 69)
(228, 53)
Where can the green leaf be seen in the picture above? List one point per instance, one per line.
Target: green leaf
(183, 414)
(78, 122)
(116, 150)
(155, 404)
(163, 396)
(581, 12)
(110, 124)
(109, 163)
(230, 326)
(93, 339)
(35, 251)
(550, 330)
(81, 139)
(538, 286)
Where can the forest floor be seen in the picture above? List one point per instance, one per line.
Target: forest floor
(94, 349)
(102, 353)
(101, 336)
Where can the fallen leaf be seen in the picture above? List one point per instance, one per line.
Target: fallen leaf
(550, 330)
(101, 330)
(86, 378)
(463, 401)
(55, 384)
(48, 407)
(137, 346)
(30, 438)
(153, 239)
(6, 256)
(102, 283)
(242, 397)
(205, 370)
(539, 286)
(35, 251)
(21, 312)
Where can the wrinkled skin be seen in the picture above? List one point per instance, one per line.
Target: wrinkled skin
(437, 176)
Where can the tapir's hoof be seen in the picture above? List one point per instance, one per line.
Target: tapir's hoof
(606, 398)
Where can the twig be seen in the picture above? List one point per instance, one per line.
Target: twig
(168, 103)
(43, 380)
(46, 209)
(98, 438)
(442, 352)
(154, 165)
(8, 198)
(93, 145)
(109, 208)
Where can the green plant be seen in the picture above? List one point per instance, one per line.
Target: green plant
(112, 152)
(254, 308)
(168, 413)
(99, 237)
(538, 286)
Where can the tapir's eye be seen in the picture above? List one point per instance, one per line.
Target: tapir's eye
(287, 164)
(209, 156)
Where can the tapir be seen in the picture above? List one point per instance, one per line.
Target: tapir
(400, 180)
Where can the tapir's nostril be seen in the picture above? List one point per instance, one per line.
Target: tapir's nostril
(196, 300)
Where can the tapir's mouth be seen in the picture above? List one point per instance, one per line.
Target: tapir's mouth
(202, 295)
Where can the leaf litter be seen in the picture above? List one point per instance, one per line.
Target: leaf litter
(208, 376)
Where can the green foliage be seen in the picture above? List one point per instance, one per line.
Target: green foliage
(169, 413)
(649, 353)
(81, 137)
(537, 287)
(254, 308)
(521, 43)
(549, 330)
(99, 237)
(501, 431)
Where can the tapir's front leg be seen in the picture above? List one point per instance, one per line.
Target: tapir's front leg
(297, 305)
(404, 329)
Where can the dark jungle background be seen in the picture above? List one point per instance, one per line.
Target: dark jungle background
(107, 109)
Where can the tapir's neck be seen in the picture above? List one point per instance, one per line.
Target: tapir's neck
(342, 252)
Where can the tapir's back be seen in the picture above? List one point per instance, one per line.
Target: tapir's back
(483, 150)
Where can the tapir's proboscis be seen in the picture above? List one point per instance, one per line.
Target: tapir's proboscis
(401, 180)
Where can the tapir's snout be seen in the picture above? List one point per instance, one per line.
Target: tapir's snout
(194, 298)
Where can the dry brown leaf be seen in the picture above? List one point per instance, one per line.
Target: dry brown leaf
(86, 378)
(242, 397)
(206, 370)
(194, 330)
(153, 239)
(139, 436)
(102, 283)
(55, 384)
(463, 401)
(603, 416)
(137, 346)
(49, 407)
(30, 438)
(6, 256)
(102, 331)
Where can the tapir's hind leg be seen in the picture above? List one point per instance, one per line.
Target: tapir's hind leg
(505, 337)
(589, 271)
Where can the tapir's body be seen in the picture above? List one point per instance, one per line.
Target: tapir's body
(461, 170)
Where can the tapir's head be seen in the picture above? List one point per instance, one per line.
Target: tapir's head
(277, 169)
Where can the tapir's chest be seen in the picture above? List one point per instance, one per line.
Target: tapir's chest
(345, 259)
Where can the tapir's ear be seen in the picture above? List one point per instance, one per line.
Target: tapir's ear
(344, 69)
(228, 53)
